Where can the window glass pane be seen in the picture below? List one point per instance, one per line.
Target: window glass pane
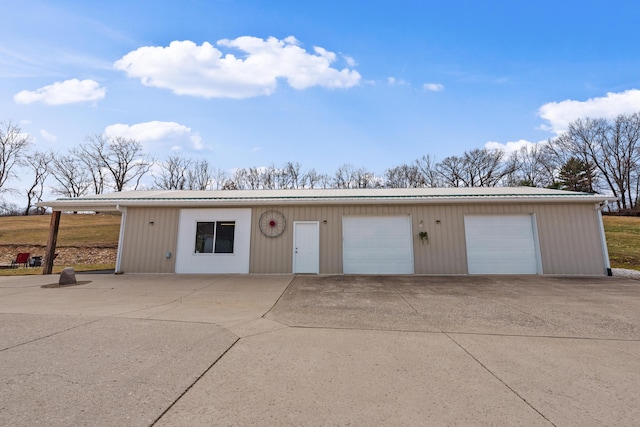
(225, 232)
(204, 237)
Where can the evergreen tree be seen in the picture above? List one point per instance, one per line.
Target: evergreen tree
(576, 175)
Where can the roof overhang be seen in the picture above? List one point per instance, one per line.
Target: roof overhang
(244, 198)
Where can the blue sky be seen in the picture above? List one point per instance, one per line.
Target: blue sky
(370, 83)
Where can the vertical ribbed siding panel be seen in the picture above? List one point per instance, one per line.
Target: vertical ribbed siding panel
(436, 241)
(568, 236)
(145, 245)
(455, 253)
(272, 254)
(330, 241)
(420, 253)
(570, 239)
(547, 219)
(335, 265)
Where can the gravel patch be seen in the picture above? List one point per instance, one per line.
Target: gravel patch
(625, 272)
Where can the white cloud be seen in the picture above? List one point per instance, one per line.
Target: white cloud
(48, 136)
(561, 114)
(196, 142)
(349, 60)
(512, 146)
(392, 81)
(66, 92)
(156, 134)
(188, 69)
(433, 87)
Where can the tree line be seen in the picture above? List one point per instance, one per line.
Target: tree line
(592, 155)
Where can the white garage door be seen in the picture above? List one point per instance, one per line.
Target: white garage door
(377, 245)
(501, 244)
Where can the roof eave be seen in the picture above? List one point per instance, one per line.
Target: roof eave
(115, 204)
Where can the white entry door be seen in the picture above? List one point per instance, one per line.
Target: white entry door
(306, 247)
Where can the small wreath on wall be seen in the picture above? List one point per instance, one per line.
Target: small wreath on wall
(272, 223)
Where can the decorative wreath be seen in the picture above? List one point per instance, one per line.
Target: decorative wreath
(272, 223)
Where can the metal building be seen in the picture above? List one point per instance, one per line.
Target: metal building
(502, 230)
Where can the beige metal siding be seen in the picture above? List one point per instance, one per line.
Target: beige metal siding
(568, 236)
(570, 239)
(145, 244)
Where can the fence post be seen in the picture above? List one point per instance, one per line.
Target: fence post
(51, 243)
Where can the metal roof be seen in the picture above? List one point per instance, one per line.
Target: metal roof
(185, 198)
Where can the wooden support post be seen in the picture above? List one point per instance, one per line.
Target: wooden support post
(51, 243)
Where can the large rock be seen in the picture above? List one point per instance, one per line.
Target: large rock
(68, 277)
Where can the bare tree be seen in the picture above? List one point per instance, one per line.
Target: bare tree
(313, 179)
(344, 177)
(367, 179)
(450, 170)
(281, 177)
(218, 179)
(229, 184)
(123, 158)
(13, 150)
(483, 167)
(612, 147)
(294, 175)
(72, 180)
(238, 182)
(404, 176)
(253, 178)
(531, 165)
(199, 176)
(38, 163)
(480, 167)
(9, 209)
(172, 173)
(325, 181)
(270, 177)
(310, 179)
(428, 169)
(94, 165)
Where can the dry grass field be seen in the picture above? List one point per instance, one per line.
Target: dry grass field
(623, 241)
(85, 242)
(89, 242)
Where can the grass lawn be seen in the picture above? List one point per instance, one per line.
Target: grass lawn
(623, 241)
(75, 230)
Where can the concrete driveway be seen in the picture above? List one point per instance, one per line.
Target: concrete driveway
(171, 350)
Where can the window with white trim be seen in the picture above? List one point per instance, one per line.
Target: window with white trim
(215, 237)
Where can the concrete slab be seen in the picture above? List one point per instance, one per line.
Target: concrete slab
(211, 306)
(80, 355)
(26, 281)
(248, 328)
(386, 350)
(343, 377)
(366, 303)
(522, 305)
(22, 328)
(111, 372)
(585, 313)
(574, 382)
(203, 298)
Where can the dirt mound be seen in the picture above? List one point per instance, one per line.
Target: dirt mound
(67, 255)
